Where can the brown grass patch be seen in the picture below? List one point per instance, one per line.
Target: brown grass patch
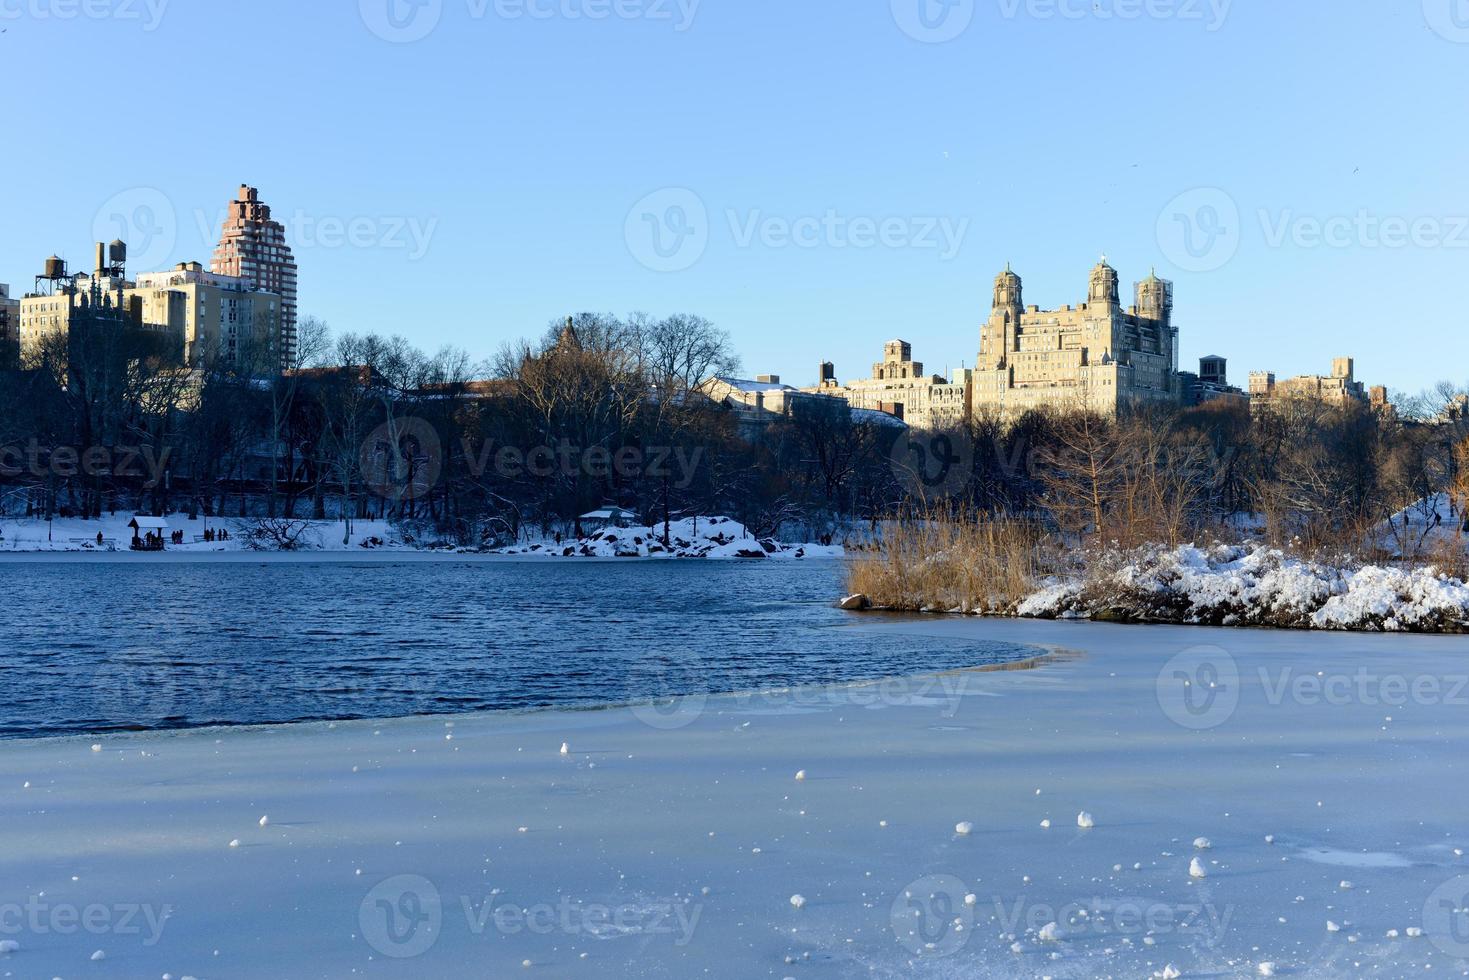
(942, 563)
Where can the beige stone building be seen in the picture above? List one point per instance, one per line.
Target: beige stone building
(1096, 355)
(899, 387)
(62, 300)
(764, 400)
(1339, 388)
(220, 320)
(9, 329)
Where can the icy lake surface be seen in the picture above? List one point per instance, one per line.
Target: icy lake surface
(137, 645)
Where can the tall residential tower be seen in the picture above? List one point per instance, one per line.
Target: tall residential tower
(253, 247)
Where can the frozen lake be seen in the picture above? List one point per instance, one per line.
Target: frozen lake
(137, 644)
(1318, 783)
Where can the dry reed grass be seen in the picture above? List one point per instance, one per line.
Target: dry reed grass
(950, 564)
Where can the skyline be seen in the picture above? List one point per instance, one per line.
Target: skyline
(427, 209)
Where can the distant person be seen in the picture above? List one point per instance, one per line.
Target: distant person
(99, 539)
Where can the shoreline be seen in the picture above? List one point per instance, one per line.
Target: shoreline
(365, 556)
(1220, 586)
(1457, 630)
(1043, 656)
(689, 830)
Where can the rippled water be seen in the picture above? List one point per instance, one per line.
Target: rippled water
(136, 645)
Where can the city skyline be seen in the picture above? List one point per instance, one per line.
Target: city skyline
(986, 154)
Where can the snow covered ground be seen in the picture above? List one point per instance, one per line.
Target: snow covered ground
(1430, 523)
(66, 534)
(690, 537)
(1256, 803)
(1252, 585)
(702, 537)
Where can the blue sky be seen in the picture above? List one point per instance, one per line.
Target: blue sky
(821, 176)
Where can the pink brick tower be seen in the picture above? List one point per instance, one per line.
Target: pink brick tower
(254, 247)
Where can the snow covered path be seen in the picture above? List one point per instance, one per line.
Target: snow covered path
(1318, 783)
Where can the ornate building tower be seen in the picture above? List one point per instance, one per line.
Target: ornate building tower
(997, 338)
(1155, 299)
(1008, 293)
(1104, 290)
(253, 246)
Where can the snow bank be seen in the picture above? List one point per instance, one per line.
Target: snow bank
(693, 537)
(75, 534)
(1255, 586)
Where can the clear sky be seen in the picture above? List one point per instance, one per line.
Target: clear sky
(816, 176)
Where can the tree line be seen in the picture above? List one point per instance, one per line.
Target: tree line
(602, 409)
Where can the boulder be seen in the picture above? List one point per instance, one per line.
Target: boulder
(856, 603)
